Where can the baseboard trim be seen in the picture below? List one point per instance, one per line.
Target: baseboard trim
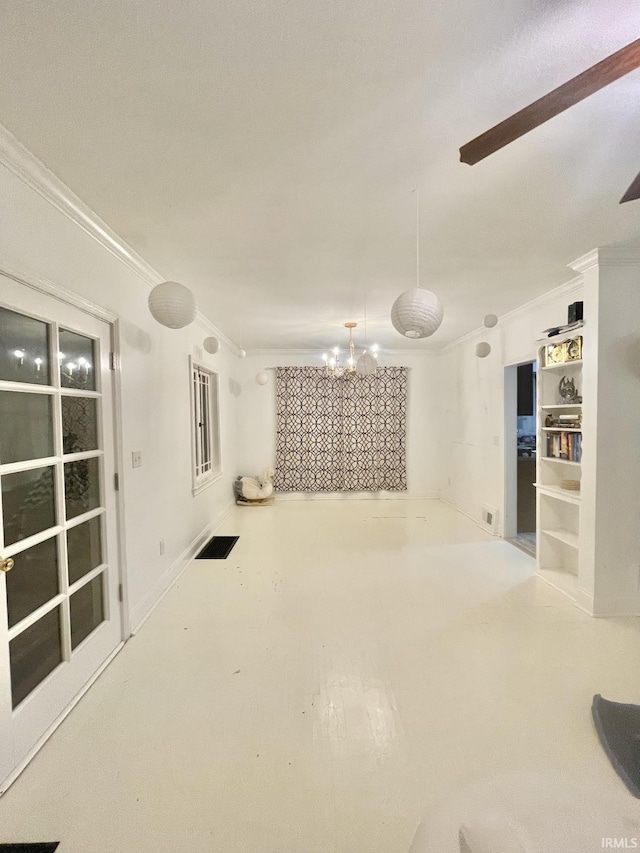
(355, 496)
(139, 614)
(615, 607)
(584, 601)
(11, 778)
(478, 523)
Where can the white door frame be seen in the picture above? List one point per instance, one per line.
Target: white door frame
(65, 296)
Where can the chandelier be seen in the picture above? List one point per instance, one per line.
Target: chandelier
(365, 365)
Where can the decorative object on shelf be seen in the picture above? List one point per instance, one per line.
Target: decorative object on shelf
(575, 313)
(561, 353)
(365, 366)
(255, 491)
(490, 320)
(554, 354)
(574, 349)
(417, 313)
(211, 345)
(573, 421)
(262, 377)
(483, 349)
(570, 485)
(172, 305)
(568, 391)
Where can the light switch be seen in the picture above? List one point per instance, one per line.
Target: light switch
(136, 459)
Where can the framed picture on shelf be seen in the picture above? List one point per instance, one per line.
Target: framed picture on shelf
(555, 354)
(573, 349)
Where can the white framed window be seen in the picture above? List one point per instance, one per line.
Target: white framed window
(205, 426)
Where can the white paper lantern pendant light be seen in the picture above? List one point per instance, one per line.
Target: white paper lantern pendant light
(173, 305)
(366, 365)
(417, 313)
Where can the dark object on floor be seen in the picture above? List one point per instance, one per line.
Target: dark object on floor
(618, 727)
(47, 847)
(217, 548)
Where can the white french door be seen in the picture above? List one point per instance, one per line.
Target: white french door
(60, 615)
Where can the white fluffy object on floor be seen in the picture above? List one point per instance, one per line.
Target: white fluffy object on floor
(255, 488)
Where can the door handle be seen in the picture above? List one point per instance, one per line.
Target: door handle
(6, 565)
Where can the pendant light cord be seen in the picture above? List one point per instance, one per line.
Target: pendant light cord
(365, 324)
(417, 236)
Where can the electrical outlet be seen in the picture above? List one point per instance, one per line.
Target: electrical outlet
(496, 440)
(161, 547)
(136, 459)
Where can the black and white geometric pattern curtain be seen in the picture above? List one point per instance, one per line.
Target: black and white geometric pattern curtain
(344, 434)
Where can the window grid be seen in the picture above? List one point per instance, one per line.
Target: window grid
(205, 429)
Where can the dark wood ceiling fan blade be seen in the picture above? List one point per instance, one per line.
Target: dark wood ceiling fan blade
(612, 68)
(633, 193)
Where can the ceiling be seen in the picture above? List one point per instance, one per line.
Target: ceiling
(265, 152)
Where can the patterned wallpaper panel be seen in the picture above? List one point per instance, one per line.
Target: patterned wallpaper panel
(340, 435)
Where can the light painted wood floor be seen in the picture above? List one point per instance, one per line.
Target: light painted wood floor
(351, 666)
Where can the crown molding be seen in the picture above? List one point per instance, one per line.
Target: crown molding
(565, 289)
(62, 294)
(316, 353)
(607, 256)
(32, 172)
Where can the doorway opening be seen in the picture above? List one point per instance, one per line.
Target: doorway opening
(520, 446)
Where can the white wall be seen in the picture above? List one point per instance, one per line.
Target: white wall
(37, 240)
(257, 419)
(473, 405)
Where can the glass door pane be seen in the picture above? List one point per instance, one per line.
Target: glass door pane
(24, 354)
(81, 486)
(34, 654)
(33, 581)
(79, 424)
(87, 610)
(26, 426)
(28, 503)
(84, 548)
(77, 361)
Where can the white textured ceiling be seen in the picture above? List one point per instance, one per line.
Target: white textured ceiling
(264, 152)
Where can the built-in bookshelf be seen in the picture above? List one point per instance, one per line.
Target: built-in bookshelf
(559, 458)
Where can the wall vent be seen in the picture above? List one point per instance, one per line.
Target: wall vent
(490, 518)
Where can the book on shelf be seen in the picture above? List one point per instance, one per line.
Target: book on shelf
(565, 445)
